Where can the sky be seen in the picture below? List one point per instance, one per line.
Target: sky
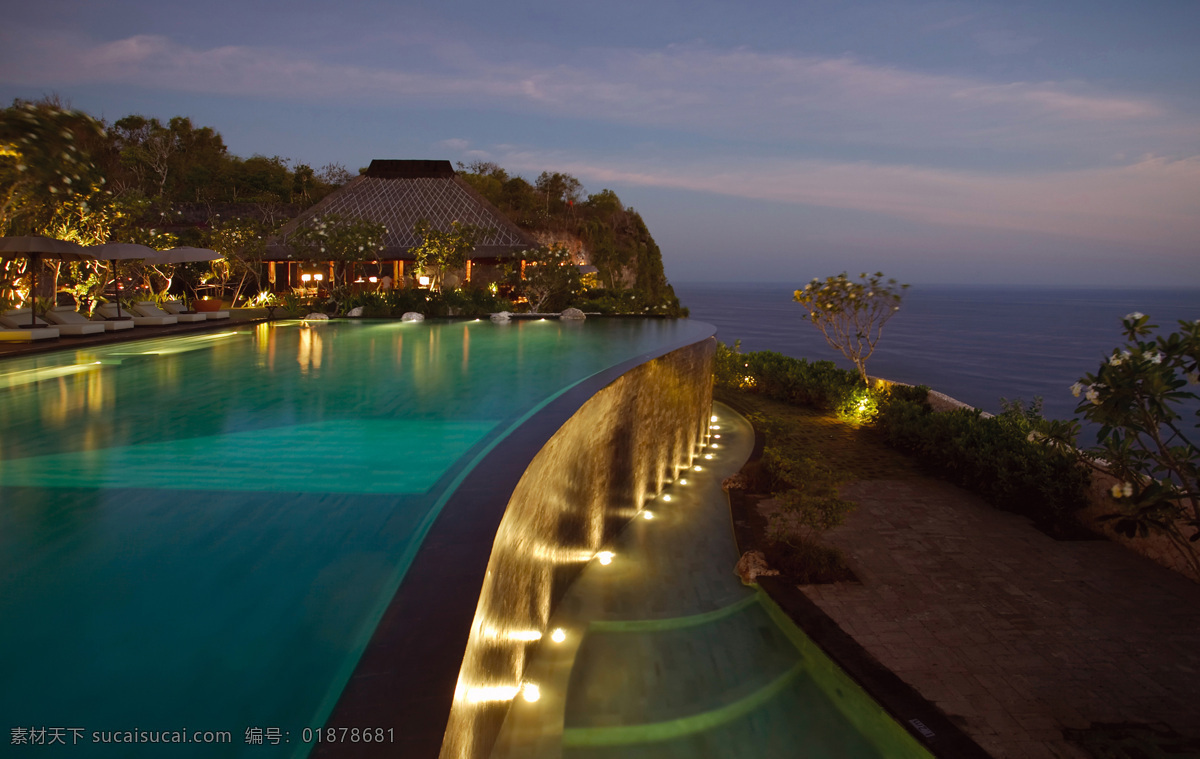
(939, 142)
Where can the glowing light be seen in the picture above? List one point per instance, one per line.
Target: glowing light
(697, 468)
(712, 418)
(683, 482)
(714, 445)
(708, 455)
(531, 692)
(666, 497)
(423, 281)
(647, 515)
(559, 635)
(714, 426)
(318, 277)
(524, 635)
(717, 437)
(496, 693)
(305, 277)
(372, 279)
(605, 557)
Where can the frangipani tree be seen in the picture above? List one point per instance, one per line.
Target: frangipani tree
(340, 239)
(851, 313)
(1135, 396)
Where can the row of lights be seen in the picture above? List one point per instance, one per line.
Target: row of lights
(530, 691)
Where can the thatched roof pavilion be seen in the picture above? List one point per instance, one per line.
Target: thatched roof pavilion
(398, 194)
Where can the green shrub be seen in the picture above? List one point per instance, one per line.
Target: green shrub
(819, 384)
(996, 457)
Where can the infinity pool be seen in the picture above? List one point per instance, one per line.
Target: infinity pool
(200, 533)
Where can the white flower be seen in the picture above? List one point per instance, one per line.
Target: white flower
(1077, 388)
(1115, 359)
(1133, 316)
(1116, 490)
(1154, 357)
(1093, 394)
(1127, 489)
(1193, 378)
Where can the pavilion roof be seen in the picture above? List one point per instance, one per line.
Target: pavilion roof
(398, 194)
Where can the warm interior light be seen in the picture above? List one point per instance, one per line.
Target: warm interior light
(372, 279)
(306, 277)
(423, 281)
(559, 635)
(605, 557)
(318, 277)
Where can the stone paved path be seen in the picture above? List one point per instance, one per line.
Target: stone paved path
(1013, 634)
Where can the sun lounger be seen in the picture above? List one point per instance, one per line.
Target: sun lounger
(14, 331)
(175, 307)
(109, 311)
(70, 323)
(150, 308)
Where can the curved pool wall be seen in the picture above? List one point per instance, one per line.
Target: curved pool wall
(581, 489)
(508, 542)
(203, 532)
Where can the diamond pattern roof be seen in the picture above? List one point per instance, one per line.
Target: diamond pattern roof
(399, 203)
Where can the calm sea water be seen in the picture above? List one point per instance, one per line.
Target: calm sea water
(976, 344)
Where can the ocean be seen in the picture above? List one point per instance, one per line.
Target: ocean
(974, 343)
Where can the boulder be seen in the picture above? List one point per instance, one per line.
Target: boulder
(502, 317)
(315, 317)
(753, 565)
(572, 313)
(412, 316)
(356, 311)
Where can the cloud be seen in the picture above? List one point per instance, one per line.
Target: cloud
(1147, 203)
(743, 93)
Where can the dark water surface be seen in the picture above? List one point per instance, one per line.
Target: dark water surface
(976, 344)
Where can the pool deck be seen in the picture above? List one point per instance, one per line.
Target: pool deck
(238, 316)
(1015, 636)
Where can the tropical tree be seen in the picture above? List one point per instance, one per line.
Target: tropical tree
(851, 313)
(340, 239)
(443, 252)
(1135, 396)
(551, 276)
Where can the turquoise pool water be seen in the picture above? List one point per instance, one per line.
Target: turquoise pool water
(199, 533)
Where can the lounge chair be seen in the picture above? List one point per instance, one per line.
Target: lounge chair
(177, 308)
(14, 328)
(109, 311)
(71, 323)
(150, 308)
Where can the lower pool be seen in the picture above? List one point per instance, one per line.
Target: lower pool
(198, 534)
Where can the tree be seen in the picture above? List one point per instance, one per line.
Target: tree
(851, 314)
(551, 277)
(442, 252)
(1135, 397)
(340, 239)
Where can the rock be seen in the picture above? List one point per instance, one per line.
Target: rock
(503, 316)
(572, 313)
(315, 317)
(735, 482)
(356, 311)
(412, 316)
(753, 565)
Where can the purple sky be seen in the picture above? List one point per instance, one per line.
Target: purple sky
(963, 142)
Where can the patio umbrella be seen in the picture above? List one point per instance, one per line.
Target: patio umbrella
(34, 247)
(121, 251)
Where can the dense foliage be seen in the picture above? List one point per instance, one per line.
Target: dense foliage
(616, 238)
(1013, 460)
(1002, 458)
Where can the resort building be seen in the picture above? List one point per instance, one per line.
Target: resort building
(399, 194)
